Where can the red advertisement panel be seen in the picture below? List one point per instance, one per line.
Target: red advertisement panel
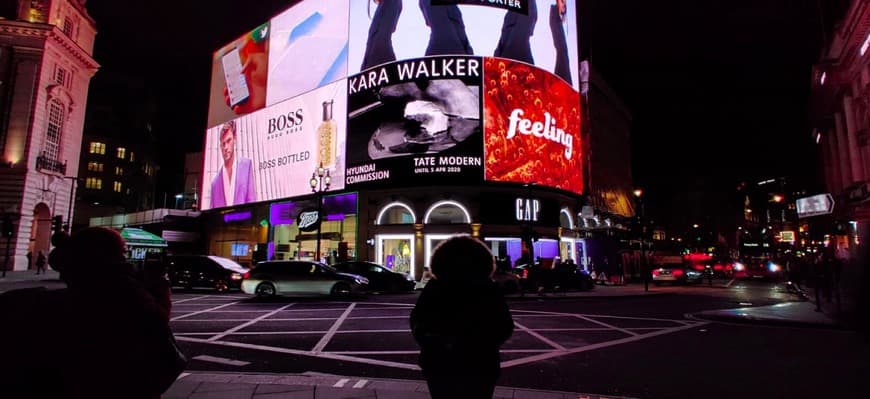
(532, 126)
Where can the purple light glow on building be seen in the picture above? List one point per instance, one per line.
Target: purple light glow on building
(237, 216)
(335, 207)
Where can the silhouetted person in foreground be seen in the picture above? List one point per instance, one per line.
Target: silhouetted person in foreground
(460, 321)
(118, 337)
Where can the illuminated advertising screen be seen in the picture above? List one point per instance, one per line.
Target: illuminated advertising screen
(538, 32)
(271, 153)
(416, 118)
(396, 92)
(532, 126)
(303, 48)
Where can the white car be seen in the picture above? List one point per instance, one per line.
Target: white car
(300, 278)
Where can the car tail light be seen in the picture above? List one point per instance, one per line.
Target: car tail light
(698, 267)
(246, 276)
(525, 273)
(236, 276)
(718, 267)
(655, 272)
(677, 272)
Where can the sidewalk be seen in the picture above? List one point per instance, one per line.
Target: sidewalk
(212, 385)
(788, 314)
(29, 275)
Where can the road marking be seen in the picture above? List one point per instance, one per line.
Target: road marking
(250, 322)
(202, 311)
(591, 320)
(182, 375)
(359, 384)
(189, 299)
(539, 336)
(324, 355)
(335, 326)
(221, 360)
(341, 382)
(730, 282)
(544, 356)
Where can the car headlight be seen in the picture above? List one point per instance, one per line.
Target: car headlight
(235, 276)
(739, 266)
(773, 267)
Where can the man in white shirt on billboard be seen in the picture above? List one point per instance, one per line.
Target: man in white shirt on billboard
(234, 184)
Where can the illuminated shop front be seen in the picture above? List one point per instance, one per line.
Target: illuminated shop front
(404, 242)
(338, 229)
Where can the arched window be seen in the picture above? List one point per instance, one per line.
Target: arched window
(565, 219)
(447, 212)
(396, 213)
(54, 130)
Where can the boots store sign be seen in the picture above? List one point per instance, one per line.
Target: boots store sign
(309, 220)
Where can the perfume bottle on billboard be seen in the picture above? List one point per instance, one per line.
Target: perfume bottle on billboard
(326, 135)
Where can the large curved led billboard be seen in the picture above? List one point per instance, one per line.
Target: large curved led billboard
(414, 92)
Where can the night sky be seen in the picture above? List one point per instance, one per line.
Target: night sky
(718, 89)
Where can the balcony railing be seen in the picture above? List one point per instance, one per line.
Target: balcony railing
(52, 165)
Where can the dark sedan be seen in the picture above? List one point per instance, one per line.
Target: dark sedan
(192, 271)
(380, 278)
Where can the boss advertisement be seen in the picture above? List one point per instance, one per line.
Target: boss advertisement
(538, 32)
(414, 119)
(303, 48)
(532, 127)
(271, 154)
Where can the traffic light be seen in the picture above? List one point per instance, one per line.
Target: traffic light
(57, 223)
(8, 227)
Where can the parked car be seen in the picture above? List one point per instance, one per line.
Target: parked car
(380, 278)
(678, 273)
(201, 271)
(301, 278)
(563, 277)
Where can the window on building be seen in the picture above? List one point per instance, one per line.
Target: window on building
(117, 187)
(132, 158)
(68, 27)
(60, 75)
(98, 148)
(54, 131)
(121, 153)
(95, 166)
(94, 183)
(119, 171)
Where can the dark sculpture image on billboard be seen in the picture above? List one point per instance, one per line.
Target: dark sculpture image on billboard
(415, 117)
(538, 32)
(532, 126)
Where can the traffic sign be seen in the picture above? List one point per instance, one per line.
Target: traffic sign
(816, 205)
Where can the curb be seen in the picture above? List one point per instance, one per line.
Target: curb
(189, 381)
(764, 321)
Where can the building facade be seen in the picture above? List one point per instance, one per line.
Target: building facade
(46, 65)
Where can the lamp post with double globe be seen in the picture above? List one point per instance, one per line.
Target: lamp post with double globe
(638, 193)
(319, 183)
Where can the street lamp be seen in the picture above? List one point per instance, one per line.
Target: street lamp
(319, 183)
(638, 193)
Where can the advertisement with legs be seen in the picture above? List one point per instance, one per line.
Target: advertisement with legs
(538, 32)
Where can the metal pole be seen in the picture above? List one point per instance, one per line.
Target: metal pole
(72, 190)
(644, 263)
(320, 216)
(531, 230)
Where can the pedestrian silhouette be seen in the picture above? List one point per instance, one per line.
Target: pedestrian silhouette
(115, 328)
(40, 262)
(460, 321)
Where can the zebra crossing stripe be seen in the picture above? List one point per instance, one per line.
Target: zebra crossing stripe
(341, 382)
(361, 383)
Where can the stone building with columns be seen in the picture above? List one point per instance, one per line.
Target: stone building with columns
(840, 110)
(46, 65)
